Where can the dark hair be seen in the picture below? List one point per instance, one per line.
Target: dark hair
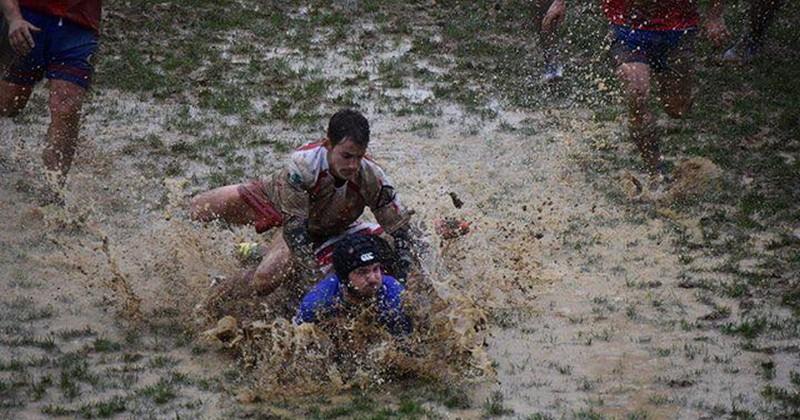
(348, 124)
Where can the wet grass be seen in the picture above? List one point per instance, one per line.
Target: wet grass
(73, 333)
(744, 120)
(68, 383)
(786, 399)
(161, 392)
(22, 309)
(362, 406)
(494, 43)
(104, 345)
(46, 343)
(227, 67)
(494, 406)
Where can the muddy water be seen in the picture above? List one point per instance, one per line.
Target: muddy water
(575, 297)
(110, 263)
(124, 241)
(582, 292)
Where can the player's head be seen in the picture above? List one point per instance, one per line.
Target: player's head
(348, 137)
(356, 261)
(348, 124)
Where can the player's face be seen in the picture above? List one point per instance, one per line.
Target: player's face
(345, 159)
(366, 280)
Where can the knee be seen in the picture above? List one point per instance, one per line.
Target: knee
(262, 276)
(65, 104)
(266, 280)
(636, 80)
(199, 208)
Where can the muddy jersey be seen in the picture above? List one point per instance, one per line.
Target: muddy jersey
(654, 15)
(306, 188)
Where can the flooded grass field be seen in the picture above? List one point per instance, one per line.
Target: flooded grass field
(568, 298)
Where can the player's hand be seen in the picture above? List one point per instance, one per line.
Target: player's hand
(717, 32)
(554, 16)
(20, 35)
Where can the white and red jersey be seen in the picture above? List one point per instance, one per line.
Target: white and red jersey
(306, 188)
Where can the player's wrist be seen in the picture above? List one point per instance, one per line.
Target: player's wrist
(15, 22)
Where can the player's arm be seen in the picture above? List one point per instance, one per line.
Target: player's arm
(10, 10)
(405, 239)
(394, 218)
(293, 184)
(295, 233)
(554, 16)
(19, 29)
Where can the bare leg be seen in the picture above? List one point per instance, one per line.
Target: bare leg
(13, 98)
(761, 15)
(635, 79)
(66, 99)
(270, 274)
(275, 268)
(547, 39)
(675, 89)
(223, 203)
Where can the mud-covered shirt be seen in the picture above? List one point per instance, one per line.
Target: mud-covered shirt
(326, 299)
(306, 188)
(654, 15)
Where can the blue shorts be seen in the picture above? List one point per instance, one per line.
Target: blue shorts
(63, 51)
(661, 50)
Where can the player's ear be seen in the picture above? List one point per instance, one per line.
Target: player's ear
(326, 142)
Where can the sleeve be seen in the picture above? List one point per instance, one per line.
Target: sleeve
(383, 200)
(293, 183)
(392, 314)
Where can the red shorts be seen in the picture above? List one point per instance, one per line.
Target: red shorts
(267, 217)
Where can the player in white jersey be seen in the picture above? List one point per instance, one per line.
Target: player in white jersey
(317, 198)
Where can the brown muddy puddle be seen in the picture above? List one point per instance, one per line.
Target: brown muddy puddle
(534, 301)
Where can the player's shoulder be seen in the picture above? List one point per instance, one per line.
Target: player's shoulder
(393, 286)
(372, 174)
(330, 283)
(369, 163)
(323, 291)
(310, 153)
(305, 164)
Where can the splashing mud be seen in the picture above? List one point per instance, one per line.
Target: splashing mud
(160, 266)
(582, 297)
(341, 354)
(693, 178)
(353, 351)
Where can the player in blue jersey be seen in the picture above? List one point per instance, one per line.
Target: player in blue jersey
(358, 279)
